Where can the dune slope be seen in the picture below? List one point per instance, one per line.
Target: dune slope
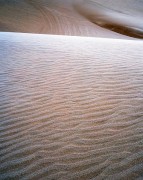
(49, 17)
(70, 108)
(124, 17)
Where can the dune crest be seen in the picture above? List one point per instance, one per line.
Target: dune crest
(49, 17)
(124, 17)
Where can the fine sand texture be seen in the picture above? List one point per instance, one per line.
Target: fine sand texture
(71, 108)
(64, 17)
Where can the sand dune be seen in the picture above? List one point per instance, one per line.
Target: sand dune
(50, 17)
(124, 17)
(69, 108)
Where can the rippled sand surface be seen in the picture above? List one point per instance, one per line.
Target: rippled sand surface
(73, 17)
(70, 108)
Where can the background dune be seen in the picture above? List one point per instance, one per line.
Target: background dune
(124, 17)
(50, 17)
(69, 108)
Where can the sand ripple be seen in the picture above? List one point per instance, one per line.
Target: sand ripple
(70, 108)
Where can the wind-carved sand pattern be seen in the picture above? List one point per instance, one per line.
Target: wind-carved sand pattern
(70, 108)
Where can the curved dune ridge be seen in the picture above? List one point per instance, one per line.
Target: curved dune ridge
(62, 17)
(70, 108)
(124, 17)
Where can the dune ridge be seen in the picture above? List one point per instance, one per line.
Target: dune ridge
(124, 17)
(69, 108)
(55, 17)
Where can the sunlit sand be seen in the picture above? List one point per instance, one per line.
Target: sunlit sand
(71, 90)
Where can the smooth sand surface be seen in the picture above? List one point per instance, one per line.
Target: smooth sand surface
(61, 17)
(124, 17)
(70, 108)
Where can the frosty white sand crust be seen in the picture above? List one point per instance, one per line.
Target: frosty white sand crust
(70, 107)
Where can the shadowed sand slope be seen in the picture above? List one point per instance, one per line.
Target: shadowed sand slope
(49, 17)
(124, 17)
(70, 108)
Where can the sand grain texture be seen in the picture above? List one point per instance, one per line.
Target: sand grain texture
(69, 108)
